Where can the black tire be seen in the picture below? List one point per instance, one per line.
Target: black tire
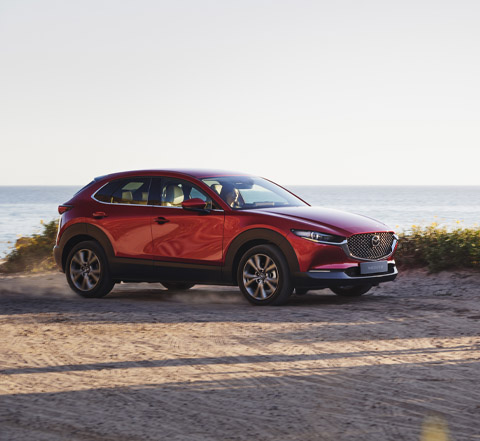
(351, 291)
(300, 291)
(264, 277)
(87, 270)
(176, 286)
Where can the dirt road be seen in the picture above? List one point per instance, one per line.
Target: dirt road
(146, 364)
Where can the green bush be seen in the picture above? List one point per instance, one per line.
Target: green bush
(439, 249)
(33, 253)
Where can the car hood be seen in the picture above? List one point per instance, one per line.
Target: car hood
(328, 220)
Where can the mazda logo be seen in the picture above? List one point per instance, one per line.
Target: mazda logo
(375, 241)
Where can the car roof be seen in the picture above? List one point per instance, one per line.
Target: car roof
(195, 173)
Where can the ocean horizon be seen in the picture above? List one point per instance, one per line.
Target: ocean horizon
(23, 208)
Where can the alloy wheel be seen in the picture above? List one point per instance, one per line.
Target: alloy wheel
(260, 276)
(85, 270)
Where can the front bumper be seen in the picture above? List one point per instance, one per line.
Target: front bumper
(317, 279)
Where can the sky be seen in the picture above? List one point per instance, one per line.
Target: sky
(301, 92)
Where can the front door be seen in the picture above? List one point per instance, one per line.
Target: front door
(187, 245)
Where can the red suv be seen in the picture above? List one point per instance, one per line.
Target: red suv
(187, 227)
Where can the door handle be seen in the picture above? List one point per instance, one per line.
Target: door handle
(161, 220)
(99, 214)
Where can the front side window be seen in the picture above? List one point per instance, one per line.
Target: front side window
(245, 192)
(133, 191)
(175, 191)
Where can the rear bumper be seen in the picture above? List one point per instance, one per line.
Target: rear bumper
(57, 254)
(342, 277)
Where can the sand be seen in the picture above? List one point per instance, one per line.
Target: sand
(146, 364)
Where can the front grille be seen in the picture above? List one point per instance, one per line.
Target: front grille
(371, 246)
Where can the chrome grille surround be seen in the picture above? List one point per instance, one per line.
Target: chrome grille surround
(371, 246)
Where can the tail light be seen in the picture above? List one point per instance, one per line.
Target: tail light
(64, 208)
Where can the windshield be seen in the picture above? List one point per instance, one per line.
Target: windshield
(246, 192)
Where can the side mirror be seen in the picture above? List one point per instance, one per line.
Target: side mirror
(195, 204)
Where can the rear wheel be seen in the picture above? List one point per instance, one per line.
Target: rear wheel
(175, 286)
(264, 277)
(87, 271)
(351, 291)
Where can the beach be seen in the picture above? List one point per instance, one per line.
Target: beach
(147, 364)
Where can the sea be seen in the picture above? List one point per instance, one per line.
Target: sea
(23, 209)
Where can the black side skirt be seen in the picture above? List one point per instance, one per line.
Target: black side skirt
(137, 270)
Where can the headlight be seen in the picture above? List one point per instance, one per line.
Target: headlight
(315, 236)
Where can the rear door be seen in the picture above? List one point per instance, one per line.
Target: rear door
(124, 214)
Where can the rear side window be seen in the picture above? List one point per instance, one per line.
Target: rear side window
(125, 191)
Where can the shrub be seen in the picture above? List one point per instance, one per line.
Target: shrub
(33, 253)
(439, 249)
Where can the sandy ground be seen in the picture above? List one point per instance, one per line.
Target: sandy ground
(146, 364)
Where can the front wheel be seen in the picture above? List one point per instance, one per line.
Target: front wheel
(351, 291)
(87, 270)
(264, 277)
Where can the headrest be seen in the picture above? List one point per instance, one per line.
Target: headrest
(174, 194)
(127, 196)
(217, 188)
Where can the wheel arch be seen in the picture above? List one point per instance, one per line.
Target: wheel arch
(81, 232)
(251, 238)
